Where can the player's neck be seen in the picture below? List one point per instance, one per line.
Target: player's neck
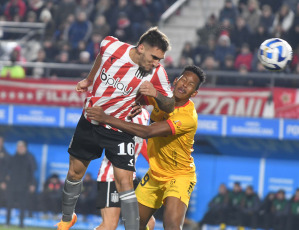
(134, 55)
(179, 103)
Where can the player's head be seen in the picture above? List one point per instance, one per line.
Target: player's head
(151, 47)
(187, 84)
(21, 147)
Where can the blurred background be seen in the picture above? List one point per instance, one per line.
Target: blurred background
(246, 147)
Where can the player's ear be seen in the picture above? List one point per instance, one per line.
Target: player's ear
(140, 48)
(194, 93)
(175, 81)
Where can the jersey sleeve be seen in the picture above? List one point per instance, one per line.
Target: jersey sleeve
(181, 123)
(161, 82)
(106, 42)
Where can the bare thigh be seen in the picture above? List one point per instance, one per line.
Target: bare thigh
(174, 220)
(77, 168)
(146, 214)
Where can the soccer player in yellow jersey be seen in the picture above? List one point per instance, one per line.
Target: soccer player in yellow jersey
(171, 177)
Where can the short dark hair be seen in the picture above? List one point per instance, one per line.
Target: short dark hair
(155, 38)
(198, 71)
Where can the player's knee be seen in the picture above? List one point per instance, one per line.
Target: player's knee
(142, 224)
(124, 184)
(74, 175)
(170, 223)
(109, 225)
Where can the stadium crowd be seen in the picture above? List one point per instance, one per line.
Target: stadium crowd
(75, 28)
(245, 209)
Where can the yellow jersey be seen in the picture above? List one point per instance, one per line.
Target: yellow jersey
(170, 156)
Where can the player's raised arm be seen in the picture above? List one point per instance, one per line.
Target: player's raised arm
(165, 103)
(156, 129)
(82, 86)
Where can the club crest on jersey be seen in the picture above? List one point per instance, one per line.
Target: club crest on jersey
(114, 197)
(108, 80)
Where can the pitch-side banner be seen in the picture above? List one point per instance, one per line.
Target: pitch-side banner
(286, 103)
(40, 92)
(233, 102)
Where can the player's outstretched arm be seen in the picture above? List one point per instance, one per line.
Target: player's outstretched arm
(82, 86)
(161, 128)
(165, 103)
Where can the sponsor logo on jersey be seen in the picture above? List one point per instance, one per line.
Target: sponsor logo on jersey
(177, 123)
(108, 80)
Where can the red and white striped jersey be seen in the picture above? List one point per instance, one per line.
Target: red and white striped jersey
(118, 79)
(106, 170)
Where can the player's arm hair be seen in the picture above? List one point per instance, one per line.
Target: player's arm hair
(165, 103)
(95, 67)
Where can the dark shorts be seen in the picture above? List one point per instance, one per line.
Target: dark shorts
(89, 141)
(107, 195)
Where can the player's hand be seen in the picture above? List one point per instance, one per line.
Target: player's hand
(136, 109)
(96, 113)
(148, 89)
(82, 86)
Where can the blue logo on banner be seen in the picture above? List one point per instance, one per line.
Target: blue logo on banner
(291, 129)
(72, 116)
(3, 114)
(252, 127)
(209, 125)
(27, 115)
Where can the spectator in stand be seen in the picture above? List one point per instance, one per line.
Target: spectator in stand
(235, 205)
(210, 63)
(93, 47)
(4, 163)
(31, 17)
(38, 71)
(15, 9)
(265, 211)
(283, 21)
(229, 11)
(20, 181)
(105, 8)
(210, 29)
(87, 199)
(168, 63)
(138, 15)
(36, 6)
(240, 33)
(80, 30)
(202, 51)
(252, 15)
(293, 35)
(224, 48)
(85, 6)
(83, 60)
(64, 9)
(13, 70)
(228, 63)
(188, 50)
(50, 49)
(293, 216)
(75, 52)
(63, 57)
(275, 5)
(155, 9)
(101, 26)
(50, 197)
(244, 58)
(267, 18)
(46, 18)
(259, 36)
(216, 214)
(124, 28)
(280, 210)
(242, 4)
(250, 205)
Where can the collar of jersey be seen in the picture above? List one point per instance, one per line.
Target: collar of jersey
(187, 103)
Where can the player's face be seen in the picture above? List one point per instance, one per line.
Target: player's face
(185, 86)
(150, 57)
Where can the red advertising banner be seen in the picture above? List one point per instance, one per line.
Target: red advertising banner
(40, 92)
(286, 103)
(230, 101)
(257, 102)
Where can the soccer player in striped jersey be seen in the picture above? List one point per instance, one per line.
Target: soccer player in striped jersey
(171, 177)
(108, 197)
(118, 73)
